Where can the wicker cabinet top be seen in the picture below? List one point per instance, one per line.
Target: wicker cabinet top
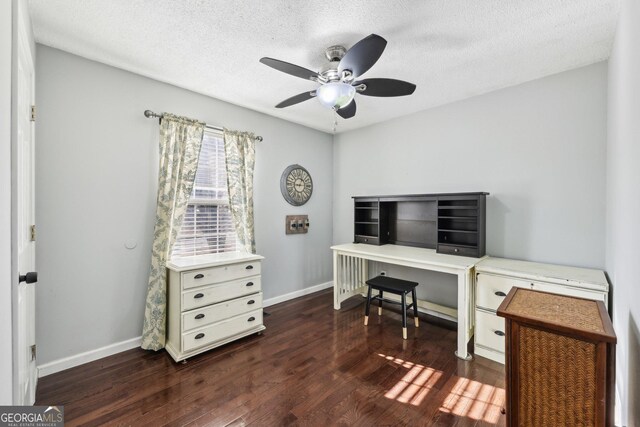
(561, 313)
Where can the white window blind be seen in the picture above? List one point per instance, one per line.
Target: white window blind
(207, 227)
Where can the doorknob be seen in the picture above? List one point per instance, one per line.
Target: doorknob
(30, 277)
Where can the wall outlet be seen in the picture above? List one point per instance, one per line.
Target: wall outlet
(383, 273)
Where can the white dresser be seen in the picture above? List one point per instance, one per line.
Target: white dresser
(212, 300)
(496, 276)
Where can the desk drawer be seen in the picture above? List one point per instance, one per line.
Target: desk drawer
(457, 250)
(223, 273)
(221, 330)
(371, 240)
(491, 290)
(490, 331)
(220, 292)
(214, 313)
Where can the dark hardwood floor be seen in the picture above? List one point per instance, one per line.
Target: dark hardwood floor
(313, 366)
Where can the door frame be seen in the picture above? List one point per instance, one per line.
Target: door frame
(22, 39)
(6, 254)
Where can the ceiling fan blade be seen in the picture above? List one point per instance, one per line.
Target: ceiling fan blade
(363, 55)
(386, 87)
(296, 99)
(292, 69)
(348, 111)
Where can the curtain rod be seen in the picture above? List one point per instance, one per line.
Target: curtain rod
(149, 114)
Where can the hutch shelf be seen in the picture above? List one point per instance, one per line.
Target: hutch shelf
(450, 223)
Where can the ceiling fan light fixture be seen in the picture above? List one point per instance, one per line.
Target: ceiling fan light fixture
(335, 95)
(338, 78)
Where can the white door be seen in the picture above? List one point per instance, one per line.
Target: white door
(25, 215)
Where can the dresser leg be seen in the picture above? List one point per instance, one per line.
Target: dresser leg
(184, 362)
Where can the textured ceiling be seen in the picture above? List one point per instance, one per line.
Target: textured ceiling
(451, 49)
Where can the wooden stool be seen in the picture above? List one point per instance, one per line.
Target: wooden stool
(397, 287)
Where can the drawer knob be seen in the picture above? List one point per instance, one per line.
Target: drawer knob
(249, 283)
(249, 267)
(199, 276)
(251, 319)
(456, 250)
(199, 336)
(200, 316)
(499, 333)
(500, 294)
(251, 301)
(198, 295)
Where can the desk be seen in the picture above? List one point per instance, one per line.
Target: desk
(350, 273)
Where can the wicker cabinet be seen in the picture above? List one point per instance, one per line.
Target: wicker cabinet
(560, 360)
(212, 300)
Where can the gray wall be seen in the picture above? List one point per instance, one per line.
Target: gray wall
(538, 148)
(623, 206)
(96, 165)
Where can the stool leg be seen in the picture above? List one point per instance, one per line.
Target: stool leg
(366, 310)
(380, 303)
(404, 315)
(415, 307)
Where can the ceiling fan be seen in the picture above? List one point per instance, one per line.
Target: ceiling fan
(338, 84)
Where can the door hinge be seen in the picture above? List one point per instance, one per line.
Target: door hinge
(33, 352)
(33, 233)
(33, 113)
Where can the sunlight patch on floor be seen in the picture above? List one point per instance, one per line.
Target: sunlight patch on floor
(415, 385)
(475, 400)
(466, 398)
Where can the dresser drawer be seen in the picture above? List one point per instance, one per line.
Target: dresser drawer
(490, 331)
(570, 291)
(491, 290)
(214, 313)
(223, 273)
(220, 292)
(221, 330)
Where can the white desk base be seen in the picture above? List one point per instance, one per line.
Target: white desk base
(350, 273)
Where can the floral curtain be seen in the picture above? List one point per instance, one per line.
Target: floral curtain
(180, 142)
(240, 154)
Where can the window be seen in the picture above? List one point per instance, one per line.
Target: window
(207, 227)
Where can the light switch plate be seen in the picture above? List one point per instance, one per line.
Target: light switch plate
(296, 224)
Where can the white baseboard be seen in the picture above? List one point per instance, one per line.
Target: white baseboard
(619, 412)
(86, 357)
(618, 409)
(296, 294)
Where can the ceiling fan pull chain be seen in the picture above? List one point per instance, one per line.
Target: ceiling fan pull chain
(335, 120)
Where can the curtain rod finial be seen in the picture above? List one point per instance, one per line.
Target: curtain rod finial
(148, 113)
